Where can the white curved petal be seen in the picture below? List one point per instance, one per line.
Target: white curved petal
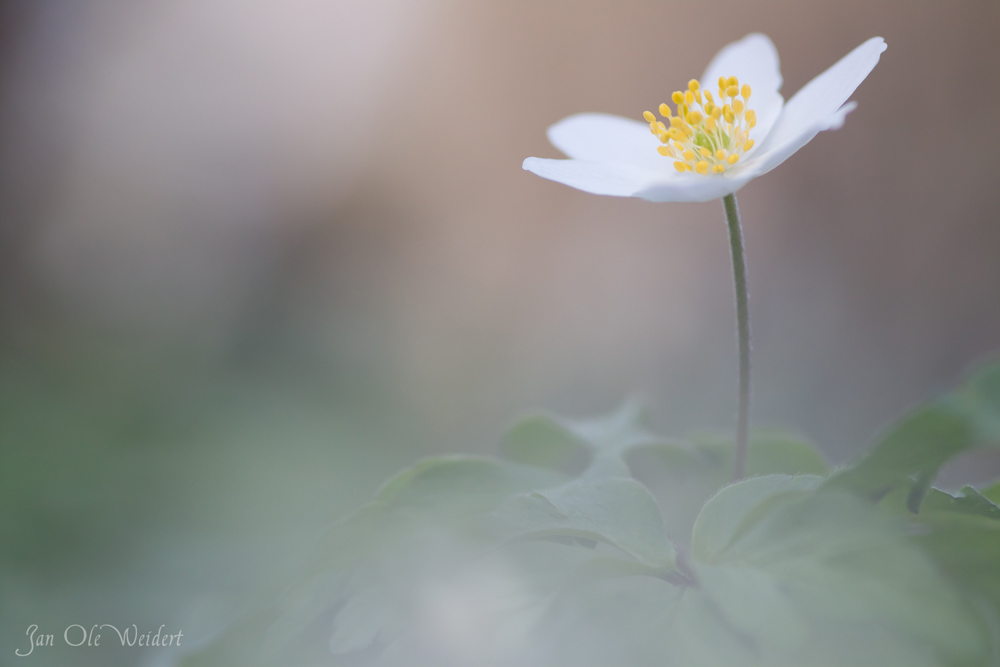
(603, 137)
(690, 187)
(618, 179)
(820, 104)
(771, 156)
(752, 60)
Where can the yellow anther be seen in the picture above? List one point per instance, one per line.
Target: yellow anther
(695, 134)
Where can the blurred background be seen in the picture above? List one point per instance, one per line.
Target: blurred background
(256, 256)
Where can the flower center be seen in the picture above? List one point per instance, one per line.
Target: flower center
(705, 135)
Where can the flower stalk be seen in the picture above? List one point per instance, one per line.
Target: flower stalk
(742, 333)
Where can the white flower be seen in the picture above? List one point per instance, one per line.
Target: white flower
(712, 145)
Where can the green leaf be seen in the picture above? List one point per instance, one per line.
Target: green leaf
(919, 445)
(992, 493)
(736, 508)
(469, 483)
(851, 574)
(618, 512)
(928, 437)
(683, 476)
(978, 399)
(555, 442)
(769, 452)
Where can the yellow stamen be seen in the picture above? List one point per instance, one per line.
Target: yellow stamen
(696, 136)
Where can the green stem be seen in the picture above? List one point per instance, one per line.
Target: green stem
(742, 332)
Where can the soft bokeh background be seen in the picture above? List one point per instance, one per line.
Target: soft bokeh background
(255, 256)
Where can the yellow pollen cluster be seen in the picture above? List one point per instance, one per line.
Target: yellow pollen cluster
(705, 135)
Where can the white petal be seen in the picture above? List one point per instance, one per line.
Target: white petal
(818, 106)
(689, 187)
(752, 60)
(602, 137)
(618, 179)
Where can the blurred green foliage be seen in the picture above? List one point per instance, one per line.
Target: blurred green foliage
(556, 554)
